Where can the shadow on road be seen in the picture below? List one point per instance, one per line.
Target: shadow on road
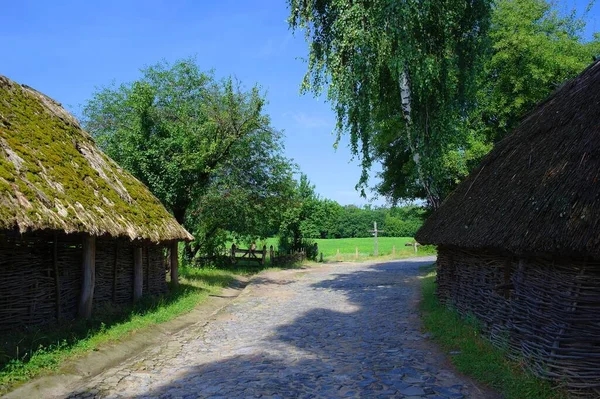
(369, 346)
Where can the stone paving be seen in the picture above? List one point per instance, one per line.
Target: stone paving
(343, 331)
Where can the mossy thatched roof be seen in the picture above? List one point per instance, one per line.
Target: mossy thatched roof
(538, 191)
(52, 176)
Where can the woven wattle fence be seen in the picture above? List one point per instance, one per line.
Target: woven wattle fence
(40, 275)
(545, 312)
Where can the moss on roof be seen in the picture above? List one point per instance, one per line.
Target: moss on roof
(52, 176)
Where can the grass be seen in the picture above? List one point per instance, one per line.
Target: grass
(347, 248)
(39, 352)
(473, 355)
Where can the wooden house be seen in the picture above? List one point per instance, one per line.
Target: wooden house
(76, 231)
(519, 239)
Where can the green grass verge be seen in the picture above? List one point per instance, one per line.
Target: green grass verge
(474, 355)
(348, 246)
(42, 351)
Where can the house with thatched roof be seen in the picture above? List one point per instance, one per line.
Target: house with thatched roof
(76, 231)
(519, 239)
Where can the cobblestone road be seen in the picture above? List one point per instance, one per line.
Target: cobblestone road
(349, 330)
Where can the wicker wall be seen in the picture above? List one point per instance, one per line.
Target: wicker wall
(38, 268)
(546, 312)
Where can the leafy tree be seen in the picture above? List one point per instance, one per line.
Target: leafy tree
(295, 224)
(173, 127)
(534, 49)
(400, 77)
(204, 147)
(246, 196)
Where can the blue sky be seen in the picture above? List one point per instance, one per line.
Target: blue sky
(66, 49)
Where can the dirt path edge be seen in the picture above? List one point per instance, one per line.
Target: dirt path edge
(73, 372)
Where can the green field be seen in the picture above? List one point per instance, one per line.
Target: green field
(348, 246)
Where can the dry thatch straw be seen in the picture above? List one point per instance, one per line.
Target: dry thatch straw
(53, 177)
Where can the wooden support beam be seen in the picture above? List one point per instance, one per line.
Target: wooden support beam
(56, 274)
(147, 272)
(88, 279)
(174, 260)
(138, 273)
(115, 272)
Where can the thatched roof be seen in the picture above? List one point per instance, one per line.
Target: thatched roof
(52, 176)
(539, 189)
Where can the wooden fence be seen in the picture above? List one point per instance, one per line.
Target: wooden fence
(259, 256)
(249, 255)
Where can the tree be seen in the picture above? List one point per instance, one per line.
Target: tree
(173, 127)
(246, 196)
(400, 78)
(534, 49)
(296, 222)
(204, 147)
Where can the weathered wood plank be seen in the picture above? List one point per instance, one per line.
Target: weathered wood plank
(88, 279)
(138, 273)
(174, 260)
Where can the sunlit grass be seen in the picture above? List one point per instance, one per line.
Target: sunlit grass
(347, 248)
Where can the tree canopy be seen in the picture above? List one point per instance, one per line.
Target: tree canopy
(399, 76)
(427, 87)
(203, 146)
(173, 127)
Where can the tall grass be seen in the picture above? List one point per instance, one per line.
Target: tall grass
(473, 355)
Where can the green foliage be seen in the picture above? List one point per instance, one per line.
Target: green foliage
(426, 88)
(308, 216)
(246, 196)
(297, 221)
(204, 147)
(173, 127)
(534, 49)
(400, 78)
(475, 356)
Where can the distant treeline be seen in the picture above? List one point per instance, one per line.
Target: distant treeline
(309, 216)
(328, 219)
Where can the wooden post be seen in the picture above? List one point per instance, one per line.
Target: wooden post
(394, 250)
(138, 274)
(147, 272)
(56, 275)
(233, 253)
(264, 252)
(115, 272)
(321, 257)
(174, 260)
(88, 278)
(337, 255)
(415, 245)
(355, 252)
(375, 232)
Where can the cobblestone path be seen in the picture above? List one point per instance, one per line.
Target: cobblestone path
(343, 331)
